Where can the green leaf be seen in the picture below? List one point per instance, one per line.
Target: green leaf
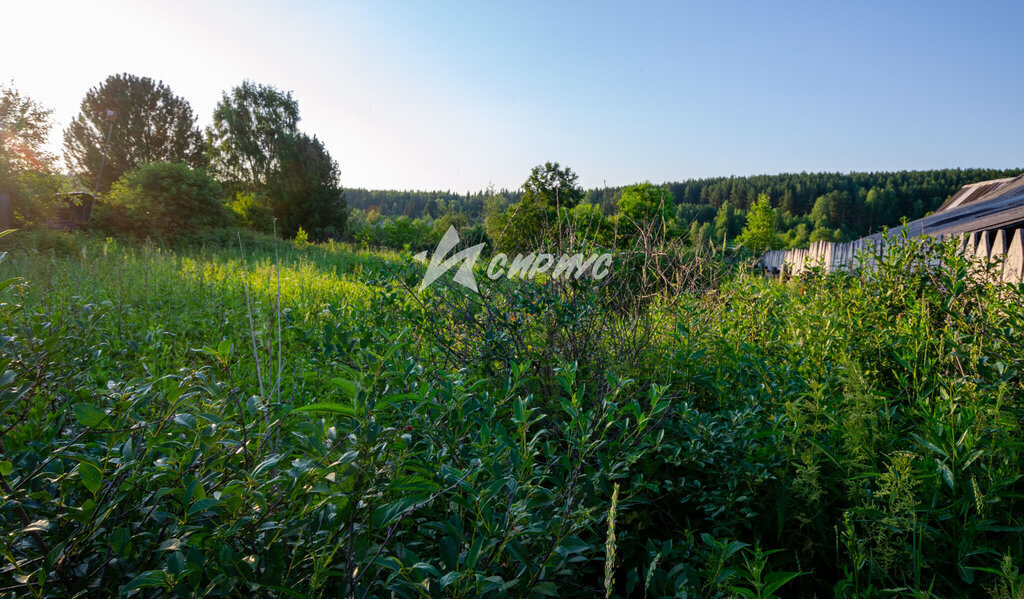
(280, 589)
(572, 544)
(413, 483)
(774, 580)
(6, 468)
(266, 465)
(388, 563)
(186, 420)
(389, 400)
(449, 553)
(474, 553)
(91, 476)
(947, 475)
(149, 578)
(202, 505)
(547, 588)
(224, 349)
(174, 544)
(193, 490)
(386, 514)
(449, 578)
(328, 408)
(742, 592)
(347, 387)
(518, 409)
(88, 414)
(120, 541)
(37, 526)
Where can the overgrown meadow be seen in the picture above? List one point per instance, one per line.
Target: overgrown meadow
(298, 420)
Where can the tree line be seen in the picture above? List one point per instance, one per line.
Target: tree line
(160, 174)
(806, 206)
(139, 145)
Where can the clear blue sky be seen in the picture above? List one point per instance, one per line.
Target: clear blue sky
(446, 95)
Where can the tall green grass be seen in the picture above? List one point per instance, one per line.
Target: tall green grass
(849, 434)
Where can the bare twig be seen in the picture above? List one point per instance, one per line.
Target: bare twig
(252, 325)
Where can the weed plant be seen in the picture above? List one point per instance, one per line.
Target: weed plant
(854, 434)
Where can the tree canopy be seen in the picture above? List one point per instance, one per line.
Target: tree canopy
(550, 185)
(528, 224)
(306, 189)
(251, 124)
(759, 233)
(24, 128)
(150, 124)
(646, 203)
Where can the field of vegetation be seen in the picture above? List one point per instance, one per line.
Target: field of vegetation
(288, 419)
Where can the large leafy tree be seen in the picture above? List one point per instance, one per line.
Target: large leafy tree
(151, 124)
(550, 185)
(24, 128)
(306, 190)
(529, 223)
(646, 202)
(252, 127)
(25, 165)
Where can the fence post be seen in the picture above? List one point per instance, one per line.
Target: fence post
(5, 210)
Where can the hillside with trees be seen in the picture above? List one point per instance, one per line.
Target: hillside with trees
(808, 206)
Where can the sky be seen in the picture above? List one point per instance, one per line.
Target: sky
(464, 95)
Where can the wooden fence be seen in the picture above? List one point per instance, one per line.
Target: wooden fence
(1005, 245)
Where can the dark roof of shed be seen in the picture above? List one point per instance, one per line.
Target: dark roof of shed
(980, 206)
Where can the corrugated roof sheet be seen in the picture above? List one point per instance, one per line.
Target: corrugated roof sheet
(975, 192)
(987, 205)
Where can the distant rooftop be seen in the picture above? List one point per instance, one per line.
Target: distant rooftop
(983, 206)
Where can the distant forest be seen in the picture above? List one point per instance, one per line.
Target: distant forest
(810, 206)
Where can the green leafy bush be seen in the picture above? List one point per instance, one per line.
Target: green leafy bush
(167, 430)
(162, 201)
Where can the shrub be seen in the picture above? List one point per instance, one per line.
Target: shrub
(163, 200)
(252, 211)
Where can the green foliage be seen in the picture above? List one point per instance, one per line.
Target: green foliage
(306, 190)
(452, 219)
(24, 128)
(727, 223)
(163, 201)
(250, 125)
(256, 147)
(646, 203)
(532, 222)
(850, 434)
(301, 238)
(759, 232)
(26, 168)
(644, 214)
(399, 233)
(855, 204)
(589, 224)
(151, 125)
(549, 185)
(524, 227)
(252, 210)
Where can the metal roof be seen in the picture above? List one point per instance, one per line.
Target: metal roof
(987, 205)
